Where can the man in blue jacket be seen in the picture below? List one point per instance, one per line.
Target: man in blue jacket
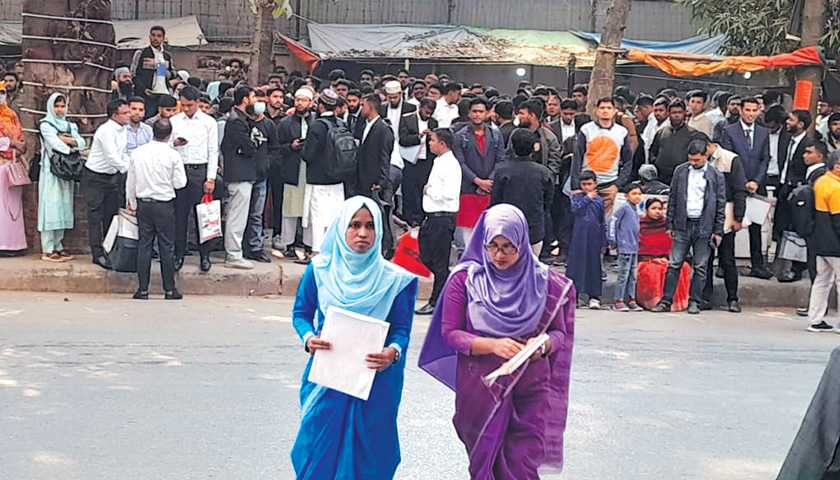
(751, 142)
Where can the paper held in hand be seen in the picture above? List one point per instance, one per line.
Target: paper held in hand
(353, 337)
(516, 361)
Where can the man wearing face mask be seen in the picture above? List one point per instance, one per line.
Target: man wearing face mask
(265, 134)
(239, 149)
(195, 137)
(124, 88)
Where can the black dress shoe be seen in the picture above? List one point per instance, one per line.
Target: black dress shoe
(761, 273)
(259, 257)
(141, 295)
(205, 264)
(426, 309)
(719, 272)
(103, 262)
(705, 306)
(790, 277)
(173, 295)
(661, 307)
(802, 311)
(693, 308)
(734, 306)
(179, 262)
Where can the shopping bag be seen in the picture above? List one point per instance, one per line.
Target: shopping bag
(793, 247)
(121, 242)
(209, 214)
(407, 254)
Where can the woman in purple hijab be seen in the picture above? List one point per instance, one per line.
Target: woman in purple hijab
(496, 299)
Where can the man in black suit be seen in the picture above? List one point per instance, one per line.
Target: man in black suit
(775, 119)
(751, 142)
(696, 207)
(291, 137)
(416, 128)
(792, 171)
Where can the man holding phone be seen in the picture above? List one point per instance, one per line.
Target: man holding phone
(195, 137)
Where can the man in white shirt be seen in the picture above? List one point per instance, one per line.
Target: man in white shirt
(696, 208)
(195, 137)
(102, 177)
(154, 174)
(441, 200)
(447, 106)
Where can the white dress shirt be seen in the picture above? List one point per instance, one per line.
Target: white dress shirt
(445, 113)
(794, 144)
(413, 101)
(773, 166)
(394, 116)
(696, 191)
(155, 172)
(107, 153)
(648, 134)
(567, 131)
(444, 192)
(749, 132)
(422, 126)
(202, 146)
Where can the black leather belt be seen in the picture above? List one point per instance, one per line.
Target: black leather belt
(152, 200)
(441, 214)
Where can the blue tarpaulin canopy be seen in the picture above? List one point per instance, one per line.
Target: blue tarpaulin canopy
(701, 44)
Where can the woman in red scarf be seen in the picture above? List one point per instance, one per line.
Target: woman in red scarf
(12, 236)
(654, 248)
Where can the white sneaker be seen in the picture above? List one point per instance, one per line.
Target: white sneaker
(594, 304)
(241, 264)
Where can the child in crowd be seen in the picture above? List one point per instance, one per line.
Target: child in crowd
(588, 241)
(624, 236)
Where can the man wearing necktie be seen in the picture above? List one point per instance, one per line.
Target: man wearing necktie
(751, 142)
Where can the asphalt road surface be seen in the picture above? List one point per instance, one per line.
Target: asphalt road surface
(104, 387)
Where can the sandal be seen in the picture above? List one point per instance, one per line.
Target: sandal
(52, 257)
(66, 255)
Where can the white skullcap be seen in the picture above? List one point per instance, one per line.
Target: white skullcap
(185, 75)
(393, 87)
(305, 92)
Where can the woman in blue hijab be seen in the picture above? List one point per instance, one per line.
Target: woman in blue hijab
(55, 196)
(340, 436)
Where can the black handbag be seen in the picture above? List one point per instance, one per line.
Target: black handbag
(67, 167)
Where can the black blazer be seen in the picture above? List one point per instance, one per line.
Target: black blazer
(238, 149)
(755, 160)
(288, 130)
(714, 201)
(410, 135)
(797, 168)
(373, 155)
(383, 110)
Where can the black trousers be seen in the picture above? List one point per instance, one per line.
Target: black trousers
(561, 220)
(156, 220)
(185, 201)
(726, 259)
(102, 196)
(415, 177)
(276, 184)
(435, 243)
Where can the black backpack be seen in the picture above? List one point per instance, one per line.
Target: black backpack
(340, 151)
(803, 210)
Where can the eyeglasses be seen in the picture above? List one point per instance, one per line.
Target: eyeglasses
(507, 249)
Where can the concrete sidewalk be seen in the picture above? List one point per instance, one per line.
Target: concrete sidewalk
(281, 277)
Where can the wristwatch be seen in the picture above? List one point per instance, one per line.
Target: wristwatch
(542, 350)
(397, 356)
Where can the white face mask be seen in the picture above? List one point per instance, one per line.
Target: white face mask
(3, 99)
(516, 121)
(259, 108)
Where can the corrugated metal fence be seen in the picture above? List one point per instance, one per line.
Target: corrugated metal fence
(232, 21)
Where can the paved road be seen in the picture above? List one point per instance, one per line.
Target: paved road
(102, 387)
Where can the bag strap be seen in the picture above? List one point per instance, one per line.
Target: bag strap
(207, 198)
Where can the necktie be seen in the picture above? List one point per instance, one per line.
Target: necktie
(748, 133)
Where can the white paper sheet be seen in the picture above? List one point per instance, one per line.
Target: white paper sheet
(516, 361)
(353, 337)
(758, 208)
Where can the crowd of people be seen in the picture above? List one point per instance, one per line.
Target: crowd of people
(434, 154)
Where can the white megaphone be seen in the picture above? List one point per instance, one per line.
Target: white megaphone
(159, 83)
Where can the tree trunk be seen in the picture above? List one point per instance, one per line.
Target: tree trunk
(603, 73)
(262, 46)
(812, 30)
(52, 65)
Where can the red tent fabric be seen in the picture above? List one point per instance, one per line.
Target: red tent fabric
(306, 56)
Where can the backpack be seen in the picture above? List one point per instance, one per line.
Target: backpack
(340, 151)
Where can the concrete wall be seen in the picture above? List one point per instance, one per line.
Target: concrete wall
(231, 20)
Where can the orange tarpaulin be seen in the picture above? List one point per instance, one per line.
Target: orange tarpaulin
(681, 64)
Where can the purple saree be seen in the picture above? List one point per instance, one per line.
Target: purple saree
(512, 428)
